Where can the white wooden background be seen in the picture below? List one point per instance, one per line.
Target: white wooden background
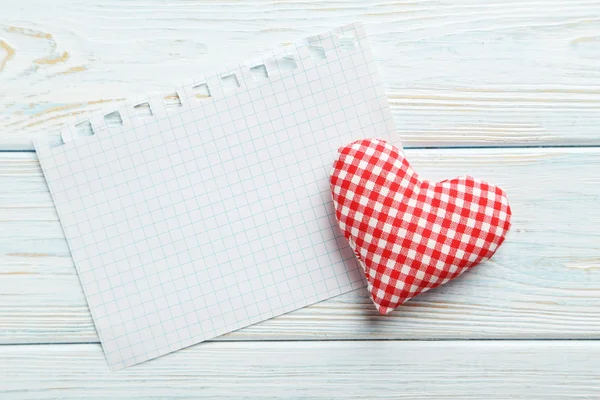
(505, 90)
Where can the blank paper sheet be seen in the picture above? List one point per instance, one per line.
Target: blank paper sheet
(204, 218)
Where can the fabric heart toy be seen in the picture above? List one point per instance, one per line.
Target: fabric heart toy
(411, 235)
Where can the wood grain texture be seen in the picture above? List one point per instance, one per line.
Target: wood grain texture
(457, 72)
(382, 369)
(543, 283)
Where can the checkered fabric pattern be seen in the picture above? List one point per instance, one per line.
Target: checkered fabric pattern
(411, 235)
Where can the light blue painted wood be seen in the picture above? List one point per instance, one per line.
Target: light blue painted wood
(374, 369)
(543, 283)
(457, 73)
(494, 72)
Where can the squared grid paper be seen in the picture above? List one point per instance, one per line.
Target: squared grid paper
(217, 214)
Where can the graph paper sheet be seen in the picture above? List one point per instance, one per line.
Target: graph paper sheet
(215, 214)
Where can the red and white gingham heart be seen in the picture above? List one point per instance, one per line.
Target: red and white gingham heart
(411, 235)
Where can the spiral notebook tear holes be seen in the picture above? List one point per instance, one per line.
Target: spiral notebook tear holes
(201, 91)
(272, 67)
(84, 129)
(172, 100)
(317, 53)
(113, 119)
(286, 63)
(143, 111)
(347, 43)
(230, 83)
(259, 72)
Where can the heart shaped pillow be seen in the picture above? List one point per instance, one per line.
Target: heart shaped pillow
(411, 235)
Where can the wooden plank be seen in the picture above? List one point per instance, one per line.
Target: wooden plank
(414, 370)
(543, 283)
(457, 72)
